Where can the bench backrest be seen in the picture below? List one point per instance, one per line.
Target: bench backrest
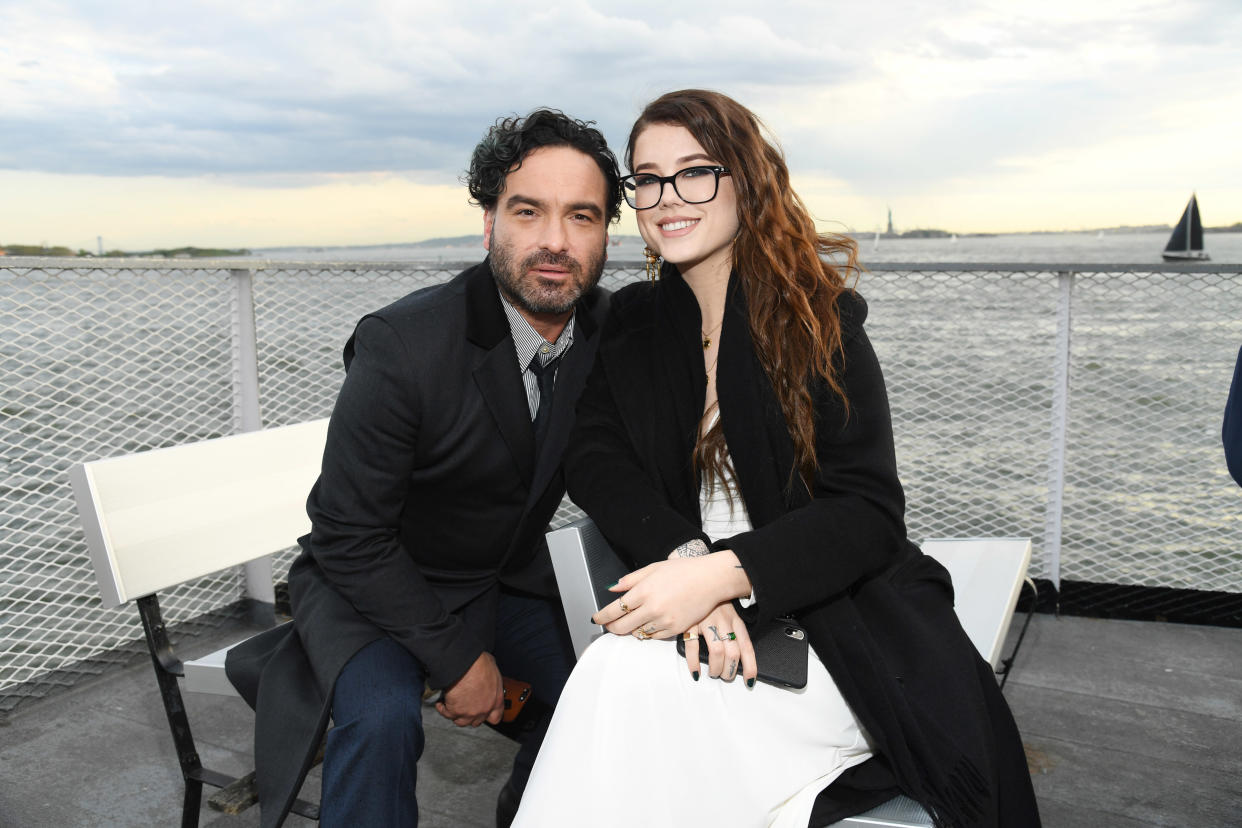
(159, 518)
(987, 577)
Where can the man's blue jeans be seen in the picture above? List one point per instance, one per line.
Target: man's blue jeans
(370, 763)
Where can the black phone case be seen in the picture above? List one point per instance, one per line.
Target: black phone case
(781, 651)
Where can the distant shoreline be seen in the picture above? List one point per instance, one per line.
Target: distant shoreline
(474, 242)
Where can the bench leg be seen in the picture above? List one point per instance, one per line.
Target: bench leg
(192, 803)
(167, 668)
(1007, 663)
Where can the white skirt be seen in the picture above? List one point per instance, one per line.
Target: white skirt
(636, 742)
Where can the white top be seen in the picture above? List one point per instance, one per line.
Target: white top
(724, 516)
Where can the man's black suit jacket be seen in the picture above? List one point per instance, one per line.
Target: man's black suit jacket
(430, 497)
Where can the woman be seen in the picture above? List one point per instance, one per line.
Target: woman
(734, 443)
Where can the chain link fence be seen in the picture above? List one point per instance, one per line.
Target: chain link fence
(1077, 406)
(1148, 499)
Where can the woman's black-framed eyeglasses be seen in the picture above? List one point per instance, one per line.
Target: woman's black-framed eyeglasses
(694, 185)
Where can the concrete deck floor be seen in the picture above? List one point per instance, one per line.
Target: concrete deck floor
(1126, 723)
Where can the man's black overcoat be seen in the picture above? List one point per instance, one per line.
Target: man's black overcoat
(430, 497)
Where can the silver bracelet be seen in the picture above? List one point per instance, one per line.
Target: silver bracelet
(692, 549)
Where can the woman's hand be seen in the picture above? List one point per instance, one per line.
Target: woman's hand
(664, 599)
(728, 646)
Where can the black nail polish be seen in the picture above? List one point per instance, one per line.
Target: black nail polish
(750, 682)
(695, 674)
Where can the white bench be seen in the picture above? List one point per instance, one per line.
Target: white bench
(159, 518)
(988, 574)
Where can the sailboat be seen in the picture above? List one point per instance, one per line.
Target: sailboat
(1186, 243)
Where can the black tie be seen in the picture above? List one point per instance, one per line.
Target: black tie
(547, 379)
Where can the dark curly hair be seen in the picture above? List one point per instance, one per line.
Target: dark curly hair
(511, 139)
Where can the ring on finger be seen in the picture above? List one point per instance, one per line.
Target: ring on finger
(732, 636)
(689, 636)
(641, 634)
(624, 609)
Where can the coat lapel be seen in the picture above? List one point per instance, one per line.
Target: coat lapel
(754, 425)
(656, 357)
(495, 372)
(678, 337)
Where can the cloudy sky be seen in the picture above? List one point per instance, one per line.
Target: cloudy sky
(244, 123)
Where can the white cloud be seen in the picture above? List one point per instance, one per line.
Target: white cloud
(226, 87)
(876, 103)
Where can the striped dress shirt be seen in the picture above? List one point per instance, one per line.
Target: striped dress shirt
(527, 342)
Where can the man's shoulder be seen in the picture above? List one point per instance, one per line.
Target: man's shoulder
(635, 302)
(418, 323)
(429, 304)
(594, 305)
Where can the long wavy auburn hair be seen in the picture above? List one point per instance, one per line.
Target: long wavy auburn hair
(791, 273)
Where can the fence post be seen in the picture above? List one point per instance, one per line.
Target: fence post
(1054, 514)
(246, 415)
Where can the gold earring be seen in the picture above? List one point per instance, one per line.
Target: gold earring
(653, 264)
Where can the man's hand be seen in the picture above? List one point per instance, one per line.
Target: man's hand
(477, 697)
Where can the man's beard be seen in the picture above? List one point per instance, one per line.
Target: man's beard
(534, 294)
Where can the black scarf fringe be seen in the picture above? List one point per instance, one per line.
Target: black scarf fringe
(962, 798)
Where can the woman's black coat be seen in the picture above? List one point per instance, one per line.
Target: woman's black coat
(878, 612)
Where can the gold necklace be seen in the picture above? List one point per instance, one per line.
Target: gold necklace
(707, 335)
(712, 367)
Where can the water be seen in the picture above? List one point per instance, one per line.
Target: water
(1110, 248)
(98, 362)
(1115, 248)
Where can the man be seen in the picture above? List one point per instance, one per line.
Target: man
(426, 564)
